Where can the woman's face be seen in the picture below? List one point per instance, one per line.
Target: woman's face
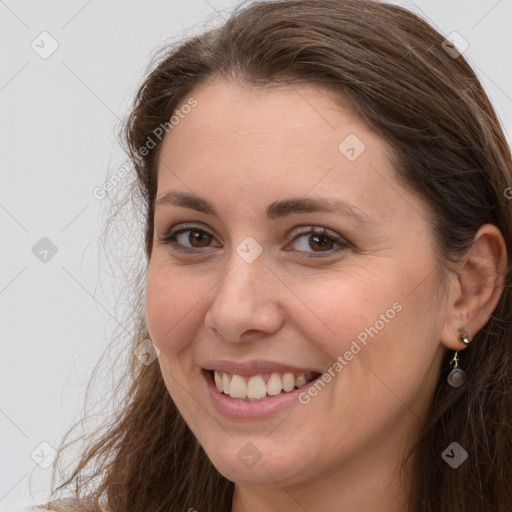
(251, 289)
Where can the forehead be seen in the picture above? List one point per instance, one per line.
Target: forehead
(253, 145)
(248, 115)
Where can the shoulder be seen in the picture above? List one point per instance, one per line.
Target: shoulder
(66, 505)
(36, 508)
(39, 508)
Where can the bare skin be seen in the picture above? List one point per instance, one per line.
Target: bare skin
(243, 148)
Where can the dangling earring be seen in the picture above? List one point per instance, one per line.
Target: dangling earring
(457, 377)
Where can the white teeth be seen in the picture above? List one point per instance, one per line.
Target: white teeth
(288, 380)
(255, 388)
(225, 383)
(218, 381)
(300, 380)
(237, 388)
(274, 385)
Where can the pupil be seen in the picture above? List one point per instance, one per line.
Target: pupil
(321, 237)
(197, 236)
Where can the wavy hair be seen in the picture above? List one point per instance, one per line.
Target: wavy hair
(448, 147)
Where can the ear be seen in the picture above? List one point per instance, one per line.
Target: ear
(477, 288)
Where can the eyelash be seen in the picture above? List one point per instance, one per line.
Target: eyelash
(168, 239)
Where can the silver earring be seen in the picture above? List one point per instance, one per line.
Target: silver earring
(464, 338)
(457, 377)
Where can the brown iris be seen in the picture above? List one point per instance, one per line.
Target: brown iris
(325, 245)
(199, 236)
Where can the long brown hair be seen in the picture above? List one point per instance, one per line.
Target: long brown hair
(448, 147)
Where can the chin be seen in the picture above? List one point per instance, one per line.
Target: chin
(259, 461)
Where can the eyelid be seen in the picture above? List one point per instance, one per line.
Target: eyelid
(342, 243)
(186, 226)
(320, 230)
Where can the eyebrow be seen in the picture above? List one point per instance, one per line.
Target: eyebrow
(277, 209)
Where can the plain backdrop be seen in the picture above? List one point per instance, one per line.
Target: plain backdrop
(69, 69)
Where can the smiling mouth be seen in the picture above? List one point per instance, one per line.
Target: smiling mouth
(259, 387)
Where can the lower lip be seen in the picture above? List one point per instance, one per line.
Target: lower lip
(237, 409)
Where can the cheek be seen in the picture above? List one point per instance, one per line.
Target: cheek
(335, 310)
(375, 322)
(173, 315)
(172, 303)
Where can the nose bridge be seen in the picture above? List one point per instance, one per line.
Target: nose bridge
(241, 301)
(246, 267)
(241, 285)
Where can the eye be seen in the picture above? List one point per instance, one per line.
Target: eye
(193, 235)
(321, 240)
(192, 238)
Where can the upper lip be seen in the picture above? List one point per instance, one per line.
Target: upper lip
(254, 367)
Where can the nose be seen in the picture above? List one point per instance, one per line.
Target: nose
(246, 303)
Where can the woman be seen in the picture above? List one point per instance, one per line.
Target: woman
(328, 239)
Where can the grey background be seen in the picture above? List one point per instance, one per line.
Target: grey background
(58, 121)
